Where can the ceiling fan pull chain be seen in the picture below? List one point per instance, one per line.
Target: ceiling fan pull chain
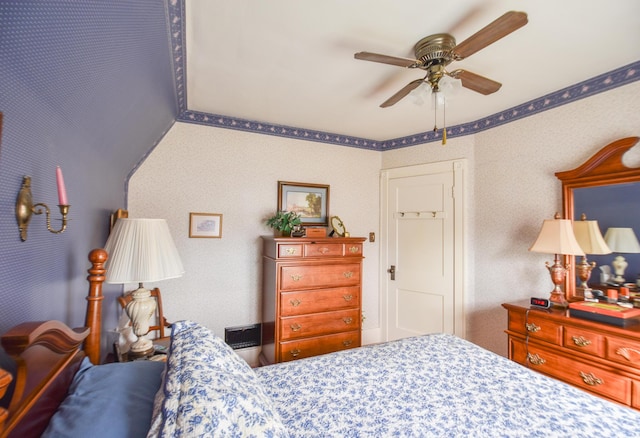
(444, 121)
(435, 114)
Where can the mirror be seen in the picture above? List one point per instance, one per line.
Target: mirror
(605, 190)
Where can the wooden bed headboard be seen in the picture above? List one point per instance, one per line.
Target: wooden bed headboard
(47, 356)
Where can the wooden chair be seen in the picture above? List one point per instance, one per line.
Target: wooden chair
(161, 321)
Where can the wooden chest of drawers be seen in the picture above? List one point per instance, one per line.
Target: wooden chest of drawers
(600, 358)
(311, 296)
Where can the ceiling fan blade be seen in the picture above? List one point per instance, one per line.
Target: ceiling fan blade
(386, 59)
(476, 82)
(402, 93)
(491, 33)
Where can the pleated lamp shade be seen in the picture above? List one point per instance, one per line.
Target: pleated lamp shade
(556, 237)
(622, 240)
(589, 237)
(141, 250)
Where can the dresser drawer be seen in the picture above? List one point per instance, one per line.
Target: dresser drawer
(323, 250)
(353, 249)
(623, 351)
(289, 250)
(536, 326)
(320, 345)
(319, 300)
(635, 397)
(583, 375)
(585, 341)
(319, 324)
(317, 276)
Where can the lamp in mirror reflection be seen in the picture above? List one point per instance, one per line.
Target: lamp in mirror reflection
(590, 239)
(621, 240)
(556, 237)
(141, 250)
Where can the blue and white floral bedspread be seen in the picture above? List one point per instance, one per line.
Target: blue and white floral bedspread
(433, 386)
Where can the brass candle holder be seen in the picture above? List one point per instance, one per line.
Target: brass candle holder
(25, 208)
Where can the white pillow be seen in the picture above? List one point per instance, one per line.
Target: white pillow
(208, 390)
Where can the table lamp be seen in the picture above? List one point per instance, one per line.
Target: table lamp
(556, 237)
(141, 250)
(591, 241)
(621, 240)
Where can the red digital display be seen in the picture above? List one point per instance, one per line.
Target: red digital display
(540, 302)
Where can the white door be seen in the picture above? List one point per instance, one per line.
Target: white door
(422, 249)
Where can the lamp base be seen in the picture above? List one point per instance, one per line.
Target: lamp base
(583, 269)
(557, 299)
(140, 309)
(558, 273)
(143, 347)
(618, 279)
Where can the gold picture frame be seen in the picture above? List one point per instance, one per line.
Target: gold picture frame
(205, 225)
(311, 201)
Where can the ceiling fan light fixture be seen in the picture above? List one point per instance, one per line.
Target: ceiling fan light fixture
(435, 52)
(418, 94)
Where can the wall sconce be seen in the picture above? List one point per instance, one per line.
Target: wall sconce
(25, 206)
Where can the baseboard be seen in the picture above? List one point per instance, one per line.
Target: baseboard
(371, 336)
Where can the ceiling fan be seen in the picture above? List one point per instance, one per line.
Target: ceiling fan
(435, 52)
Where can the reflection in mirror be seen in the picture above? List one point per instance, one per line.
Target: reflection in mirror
(606, 189)
(613, 206)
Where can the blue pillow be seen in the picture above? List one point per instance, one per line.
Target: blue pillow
(111, 400)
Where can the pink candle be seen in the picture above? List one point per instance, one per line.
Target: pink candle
(62, 191)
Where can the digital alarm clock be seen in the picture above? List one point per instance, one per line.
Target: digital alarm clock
(541, 303)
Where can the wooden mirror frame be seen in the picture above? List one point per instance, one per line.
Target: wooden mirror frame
(603, 168)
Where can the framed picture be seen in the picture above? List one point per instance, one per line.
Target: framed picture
(311, 201)
(205, 225)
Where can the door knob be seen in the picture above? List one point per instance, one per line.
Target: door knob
(392, 271)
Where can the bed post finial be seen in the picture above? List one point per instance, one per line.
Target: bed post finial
(96, 277)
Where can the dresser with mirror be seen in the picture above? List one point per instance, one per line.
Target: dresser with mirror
(601, 358)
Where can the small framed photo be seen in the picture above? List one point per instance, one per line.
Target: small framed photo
(207, 225)
(311, 201)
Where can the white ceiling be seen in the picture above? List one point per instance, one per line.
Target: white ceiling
(290, 62)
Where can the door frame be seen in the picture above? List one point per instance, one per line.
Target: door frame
(458, 168)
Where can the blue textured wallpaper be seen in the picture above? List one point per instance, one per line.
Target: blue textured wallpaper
(87, 85)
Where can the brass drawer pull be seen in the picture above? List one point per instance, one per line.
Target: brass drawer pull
(296, 277)
(291, 251)
(581, 341)
(347, 343)
(590, 379)
(347, 320)
(347, 274)
(347, 297)
(354, 249)
(531, 327)
(535, 359)
(323, 250)
(295, 302)
(296, 327)
(295, 353)
(626, 352)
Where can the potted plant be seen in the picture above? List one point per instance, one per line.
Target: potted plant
(283, 222)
